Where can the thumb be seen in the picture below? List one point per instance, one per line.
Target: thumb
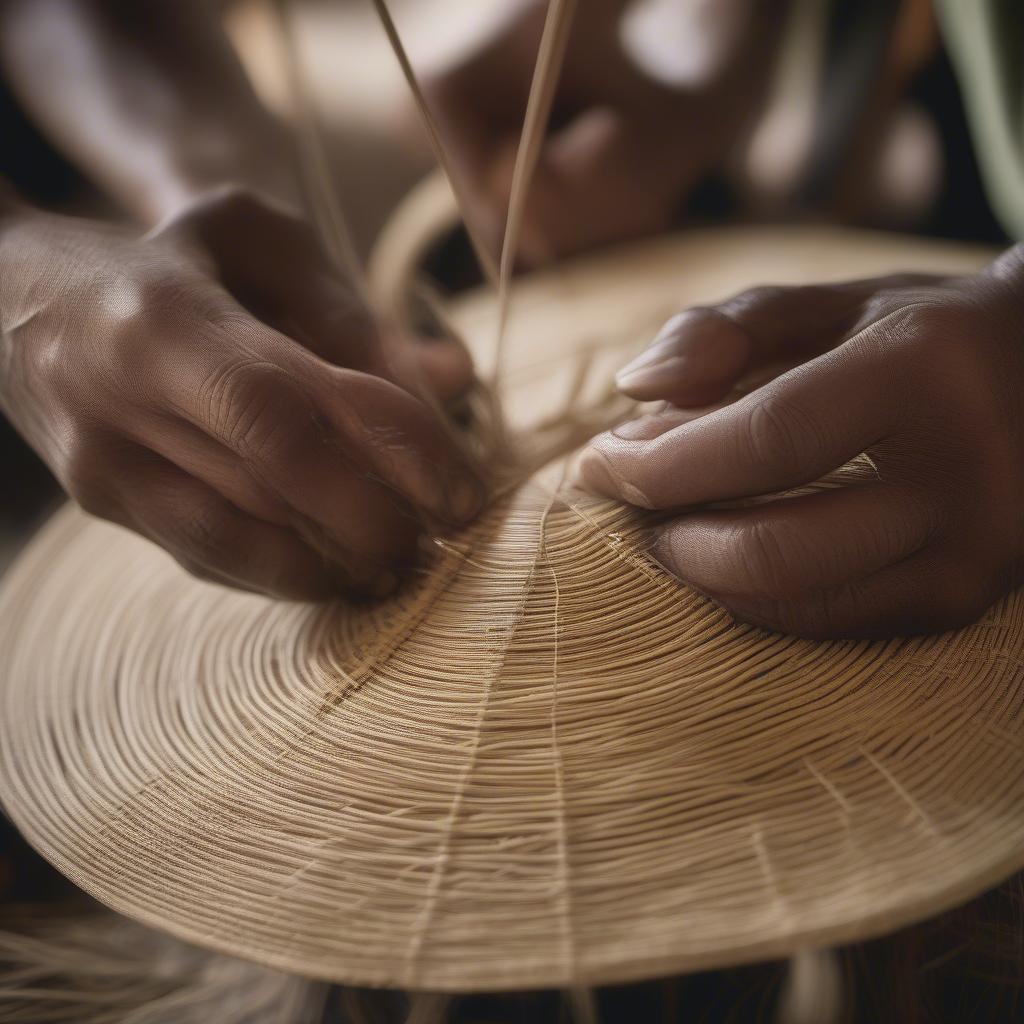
(702, 354)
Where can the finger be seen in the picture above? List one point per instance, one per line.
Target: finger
(270, 260)
(929, 592)
(790, 432)
(323, 313)
(793, 548)
(653, 425)
(335, 444)
(430, 358)
(402, 442)
(214, 540)
(198, 455)
(231, 378)
(704, 352)
(278, 433)
(446, 365)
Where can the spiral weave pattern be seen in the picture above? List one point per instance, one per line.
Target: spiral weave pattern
(546, 763)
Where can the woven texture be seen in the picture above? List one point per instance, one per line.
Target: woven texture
(545, 763)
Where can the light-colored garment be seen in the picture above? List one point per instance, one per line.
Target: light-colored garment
(985, 39)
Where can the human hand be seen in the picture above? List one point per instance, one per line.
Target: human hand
(925, 375)
(163, 405)
(269, 259)
(628, 147)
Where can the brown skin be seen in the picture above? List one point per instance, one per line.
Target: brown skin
(162, 404)
(628, 148)
(216, 386)
(924, 374)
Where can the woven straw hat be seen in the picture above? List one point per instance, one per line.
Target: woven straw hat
(544, 764)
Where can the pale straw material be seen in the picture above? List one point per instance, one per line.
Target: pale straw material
(65, 966)
(545, 763)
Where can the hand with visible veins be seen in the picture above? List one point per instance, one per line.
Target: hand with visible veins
(924, 374)
(281, 462)
(267, 256)
(216, 386)
(627, 147)
(154, 107)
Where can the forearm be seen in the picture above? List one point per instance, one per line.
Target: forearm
(148, 99)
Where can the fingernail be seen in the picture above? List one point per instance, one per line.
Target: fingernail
(651, 370)
(662, 347)
(660, 552)
(653, 354)
(465, 498)
(594, 472)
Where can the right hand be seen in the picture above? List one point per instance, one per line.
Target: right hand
(163, 405)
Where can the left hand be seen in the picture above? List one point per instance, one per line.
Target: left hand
(271, 262)
(925, 375)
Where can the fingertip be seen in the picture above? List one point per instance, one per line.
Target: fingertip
(466, 497)
(663, 552)
(447, 367)
(595, 472)
(695, 359)
(590, 472)
(653, 381)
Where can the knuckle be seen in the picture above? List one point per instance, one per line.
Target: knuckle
(169, 300)
(756, 298)
(769, 562)
(228, 203)
(51, 361)
(253, 407)
(160, 294)
(939, 335)
(943, 355)
(206, 532)
(83, 476)
(777, 433)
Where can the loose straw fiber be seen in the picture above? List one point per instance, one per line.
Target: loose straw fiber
(84, 967)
